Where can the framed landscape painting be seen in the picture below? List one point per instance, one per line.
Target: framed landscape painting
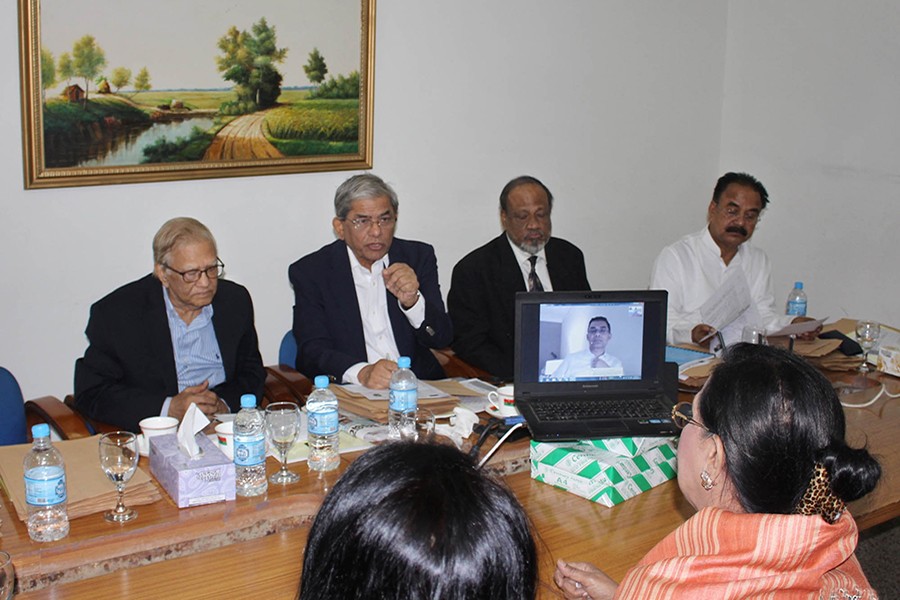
(122, 92)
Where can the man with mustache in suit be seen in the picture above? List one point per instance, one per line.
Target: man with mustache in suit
(694, 267)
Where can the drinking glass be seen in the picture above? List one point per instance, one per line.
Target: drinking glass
(119, 459)
(867, 334)
(283, 426)
(417, 425)
(753, 334)
(7, 576)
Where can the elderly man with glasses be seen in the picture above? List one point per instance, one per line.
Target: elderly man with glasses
(179, 336)
(368, 298)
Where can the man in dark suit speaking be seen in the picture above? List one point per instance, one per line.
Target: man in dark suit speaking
(179, 336)
(368, 298)
(522, 258)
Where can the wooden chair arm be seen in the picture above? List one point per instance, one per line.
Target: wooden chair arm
(65, 421)
(454, 366)
(91, 424)
(284, 384)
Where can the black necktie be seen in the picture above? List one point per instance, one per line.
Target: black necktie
(534, 282)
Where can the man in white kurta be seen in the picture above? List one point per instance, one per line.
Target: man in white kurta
(695, 266)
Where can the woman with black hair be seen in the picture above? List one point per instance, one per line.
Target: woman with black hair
(762, 457)
(411, 520)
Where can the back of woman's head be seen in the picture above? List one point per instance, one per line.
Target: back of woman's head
(411, 520)
(779, 417)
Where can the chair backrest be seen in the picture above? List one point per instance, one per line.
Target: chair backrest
(12, 407)
(287, 352)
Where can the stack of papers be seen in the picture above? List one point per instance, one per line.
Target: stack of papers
(373, 404)
(89, 489)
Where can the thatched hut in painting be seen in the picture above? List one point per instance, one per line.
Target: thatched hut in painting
(73, 93)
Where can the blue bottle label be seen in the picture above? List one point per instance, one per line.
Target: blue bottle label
(323, 422)
(249, 451)
(45, 486)
(403, 400)
(797, 308)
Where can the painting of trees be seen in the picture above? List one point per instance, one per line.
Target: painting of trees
(315, 67)
(64, 68)
(120, 78)
(88, 60)
(249, 60)
(142, 81)
(48, 73)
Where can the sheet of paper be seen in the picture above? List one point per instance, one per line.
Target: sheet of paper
(798, 328)
(728, 301)
(426, 390)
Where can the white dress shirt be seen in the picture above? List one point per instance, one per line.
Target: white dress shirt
(581, 364)
(692, 269)
(371, 295)
(540, 267)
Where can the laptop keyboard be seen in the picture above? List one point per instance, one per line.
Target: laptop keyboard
(573, 410)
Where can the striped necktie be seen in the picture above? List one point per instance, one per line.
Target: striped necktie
(534, 282)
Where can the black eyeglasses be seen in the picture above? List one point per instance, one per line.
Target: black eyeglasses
(683, 413)
(193, 276)
(383, 222)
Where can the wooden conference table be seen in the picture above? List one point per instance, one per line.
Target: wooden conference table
(254, 546)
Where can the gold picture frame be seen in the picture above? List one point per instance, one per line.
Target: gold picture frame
(92, 124)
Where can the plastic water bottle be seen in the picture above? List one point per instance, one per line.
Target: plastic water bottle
(250, 449)
(796, 301)
(322, 427)
(45, 488)
(404, 395)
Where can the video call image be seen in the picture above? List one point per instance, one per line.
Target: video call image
(591, 341)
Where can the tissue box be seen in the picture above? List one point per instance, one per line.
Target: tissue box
(889, 360)
(190, 482)
(607, 471)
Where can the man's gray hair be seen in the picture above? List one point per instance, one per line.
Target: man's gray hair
(362, 187)
(177, 231)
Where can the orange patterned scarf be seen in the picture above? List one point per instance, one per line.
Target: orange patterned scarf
(724, 555)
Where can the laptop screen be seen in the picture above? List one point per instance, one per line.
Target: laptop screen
(574, 341)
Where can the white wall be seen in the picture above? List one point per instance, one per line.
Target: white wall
(812, 90)
(616, 106)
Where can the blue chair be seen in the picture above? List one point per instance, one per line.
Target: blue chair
(287, 352)
(12, 407)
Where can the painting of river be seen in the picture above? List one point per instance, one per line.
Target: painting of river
(121, 94)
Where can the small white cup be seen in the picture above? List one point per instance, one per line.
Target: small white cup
(225, 437)
(152, 427)
(503, 401)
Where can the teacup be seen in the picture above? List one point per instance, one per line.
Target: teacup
(225, 437)
(503, 401)
(152, 427)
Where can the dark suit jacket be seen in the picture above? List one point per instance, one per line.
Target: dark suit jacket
(327, 323)
(482, 299)
(128, 370)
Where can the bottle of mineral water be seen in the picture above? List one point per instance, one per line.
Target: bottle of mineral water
(250, 449)
(45, 488)
(796, 301)
(322, 427)
(404, 395)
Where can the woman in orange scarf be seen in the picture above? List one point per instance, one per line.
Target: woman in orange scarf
(762, 457)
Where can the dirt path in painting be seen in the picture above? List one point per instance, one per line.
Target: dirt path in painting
(242, 139)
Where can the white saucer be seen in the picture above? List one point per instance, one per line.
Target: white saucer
(492, 410)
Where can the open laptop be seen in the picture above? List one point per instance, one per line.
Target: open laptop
(592, 364)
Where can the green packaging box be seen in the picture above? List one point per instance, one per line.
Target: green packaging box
(607, 471)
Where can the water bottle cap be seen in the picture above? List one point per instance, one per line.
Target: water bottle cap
(798, 285)
(40, 430)
(248, 401)
(321, 381)
(403, 362)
